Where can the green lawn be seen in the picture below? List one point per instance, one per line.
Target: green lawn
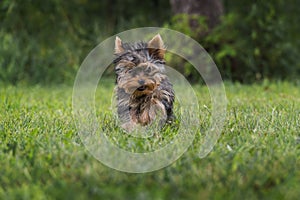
(256, 157)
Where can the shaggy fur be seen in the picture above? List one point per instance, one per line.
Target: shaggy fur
(144, 92)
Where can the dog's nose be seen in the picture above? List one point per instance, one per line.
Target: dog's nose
(141, 81)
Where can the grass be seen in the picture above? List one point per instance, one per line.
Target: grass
(256, 157)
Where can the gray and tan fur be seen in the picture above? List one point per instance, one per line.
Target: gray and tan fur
(144, 92)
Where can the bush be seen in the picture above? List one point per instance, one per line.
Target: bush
(193, 26)
(254, 41)
(36, 44)
(255, 44)
(46, 41)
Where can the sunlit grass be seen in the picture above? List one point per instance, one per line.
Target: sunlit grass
(256, 157)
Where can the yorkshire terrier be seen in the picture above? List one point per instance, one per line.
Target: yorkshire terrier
(144, 92)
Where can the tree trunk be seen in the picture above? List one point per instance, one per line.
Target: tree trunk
(211, 9)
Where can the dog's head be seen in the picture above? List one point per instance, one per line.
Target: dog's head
(138, 55)
(139, 67)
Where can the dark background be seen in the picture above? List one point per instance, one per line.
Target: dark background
(44, 42)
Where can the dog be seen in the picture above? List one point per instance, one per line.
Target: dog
(143, 91)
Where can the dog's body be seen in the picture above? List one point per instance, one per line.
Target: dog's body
(144, 92)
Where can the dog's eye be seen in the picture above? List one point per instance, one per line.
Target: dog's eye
(162, 62)
(118, 69)
(133, 59)
(130, 58)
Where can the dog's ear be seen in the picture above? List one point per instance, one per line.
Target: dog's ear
(118, 46)
(156, 47)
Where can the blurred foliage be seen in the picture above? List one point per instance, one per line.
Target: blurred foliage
(45, 41)
(194, 26)
(256, 40)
